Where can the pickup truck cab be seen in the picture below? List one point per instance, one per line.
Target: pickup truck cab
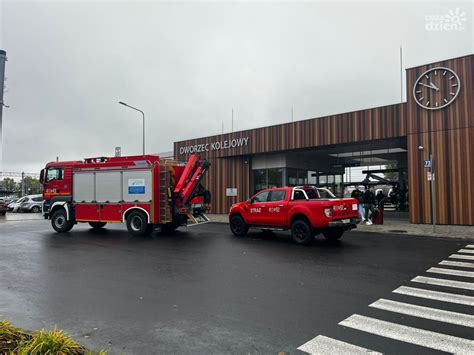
(306, 211)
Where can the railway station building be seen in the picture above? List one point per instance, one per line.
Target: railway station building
(437, 120)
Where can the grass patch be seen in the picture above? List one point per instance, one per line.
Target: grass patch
(11, 336)
(50, 342)
(19, 342)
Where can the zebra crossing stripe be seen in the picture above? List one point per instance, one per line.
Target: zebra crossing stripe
(438, 270)
(460, 256)
(466, 251)
(444, 282)
(457, 263)
(469, 246)
(440, 315)
(324, 345)
(435, 295)
(408, 334)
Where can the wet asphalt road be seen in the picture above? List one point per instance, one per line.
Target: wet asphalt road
(201, 290)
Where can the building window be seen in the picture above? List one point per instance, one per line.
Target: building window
(297, 177)
(259, 180)
(265, 178)
(275, 177)
(292, 177)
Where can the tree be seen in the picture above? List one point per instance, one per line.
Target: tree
(9, 186)
(32, 186)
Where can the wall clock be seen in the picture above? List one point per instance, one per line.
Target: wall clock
(436, 88)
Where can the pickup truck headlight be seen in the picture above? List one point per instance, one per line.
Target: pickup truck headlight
(328, 212)
(355, 207)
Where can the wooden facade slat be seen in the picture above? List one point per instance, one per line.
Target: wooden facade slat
(365, 125)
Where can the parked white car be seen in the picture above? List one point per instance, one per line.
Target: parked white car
(30, 203)
(14, 205)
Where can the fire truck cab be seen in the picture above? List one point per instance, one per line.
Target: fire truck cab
(143, 191)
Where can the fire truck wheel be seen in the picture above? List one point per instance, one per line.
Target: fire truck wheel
(333, 234)
(97, 225)
(238, 226)
(137, 223)
(301, 232)
(60, 223)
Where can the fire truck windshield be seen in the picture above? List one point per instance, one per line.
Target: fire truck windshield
(54, 174)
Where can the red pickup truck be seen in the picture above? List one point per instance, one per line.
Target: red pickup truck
(307, 211)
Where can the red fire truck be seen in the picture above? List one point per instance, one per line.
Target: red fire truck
(143, 191)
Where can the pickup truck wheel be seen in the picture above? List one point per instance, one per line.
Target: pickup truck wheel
(301, 232)
(97, 225)
(137, 224)
(60, 223)
(238, 226)
(333, 234)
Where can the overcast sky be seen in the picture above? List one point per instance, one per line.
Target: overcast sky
(187, 64)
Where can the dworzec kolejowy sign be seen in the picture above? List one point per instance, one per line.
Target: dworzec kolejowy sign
(206, 147)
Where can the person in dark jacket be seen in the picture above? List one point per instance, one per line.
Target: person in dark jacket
(369, 201)
(379, 197)
(356, 193)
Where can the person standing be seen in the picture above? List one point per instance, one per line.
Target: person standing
(380, 196)
(394, 194)
(368, 198)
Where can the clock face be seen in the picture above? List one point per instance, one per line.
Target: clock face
(436, 88)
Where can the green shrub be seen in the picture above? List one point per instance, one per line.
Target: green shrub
(50, 342)
(11, 336)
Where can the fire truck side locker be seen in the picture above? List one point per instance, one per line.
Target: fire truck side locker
(106, 195)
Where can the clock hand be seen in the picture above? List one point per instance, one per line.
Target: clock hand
(428, 86)
(434, 86)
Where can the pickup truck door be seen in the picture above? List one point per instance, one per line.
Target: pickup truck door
(255, 210)
(276, 209)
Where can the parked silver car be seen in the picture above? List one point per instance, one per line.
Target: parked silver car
(13, 205)
(30, 203)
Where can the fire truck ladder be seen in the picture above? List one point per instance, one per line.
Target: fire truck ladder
(165, 194)
(195, 220)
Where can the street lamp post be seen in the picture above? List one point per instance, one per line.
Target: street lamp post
(143, 116)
